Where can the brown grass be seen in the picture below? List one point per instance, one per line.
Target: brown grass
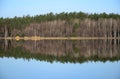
(57, 38)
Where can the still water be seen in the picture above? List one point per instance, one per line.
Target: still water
(90, 59)
(11, 68)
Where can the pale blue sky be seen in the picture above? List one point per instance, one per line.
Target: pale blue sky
(11, 8)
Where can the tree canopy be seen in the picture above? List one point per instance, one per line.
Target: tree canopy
(19, 22)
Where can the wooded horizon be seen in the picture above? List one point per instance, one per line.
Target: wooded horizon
(73, 24)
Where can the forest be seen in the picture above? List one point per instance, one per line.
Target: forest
(72, 24)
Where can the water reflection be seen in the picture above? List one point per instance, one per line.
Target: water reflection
(62, 50)
(11, 68)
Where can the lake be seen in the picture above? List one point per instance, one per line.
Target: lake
(58, 59)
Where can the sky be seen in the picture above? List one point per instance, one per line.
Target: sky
(12, 8)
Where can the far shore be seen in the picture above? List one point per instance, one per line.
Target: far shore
(57, 38)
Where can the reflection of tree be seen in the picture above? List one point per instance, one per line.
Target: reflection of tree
(65, 51)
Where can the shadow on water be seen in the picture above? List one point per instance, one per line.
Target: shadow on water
(62, 50)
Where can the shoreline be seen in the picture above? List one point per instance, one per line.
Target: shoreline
(58, 38)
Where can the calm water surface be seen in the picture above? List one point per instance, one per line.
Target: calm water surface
(98, 59)
(11, 68)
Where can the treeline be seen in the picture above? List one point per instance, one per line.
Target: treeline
(18, 22)
(64, 24)
(76, 28)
